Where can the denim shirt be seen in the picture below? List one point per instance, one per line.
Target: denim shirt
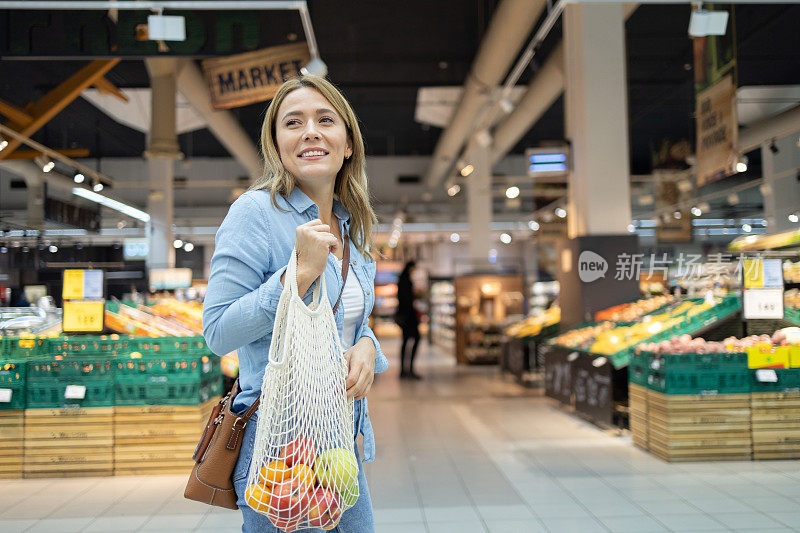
(253, 246)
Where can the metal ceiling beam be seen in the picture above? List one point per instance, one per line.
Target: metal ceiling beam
(770, 128)
(511, 24)
(222, 124)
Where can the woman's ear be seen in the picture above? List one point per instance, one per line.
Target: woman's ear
(348, 151)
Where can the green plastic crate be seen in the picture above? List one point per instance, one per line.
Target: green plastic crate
(50, 392)
(716, 373)
(638, 369)
(788, 380)
(195, 344)
(12, 347)
(17, 400)
(163, 390)
(12, 377)
(166, 365)
(792, 315)
(93, 344)
(83, 368)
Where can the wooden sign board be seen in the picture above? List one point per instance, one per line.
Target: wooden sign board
(252, 77)
(717, 131)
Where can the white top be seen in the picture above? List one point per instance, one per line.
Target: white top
(353, 306)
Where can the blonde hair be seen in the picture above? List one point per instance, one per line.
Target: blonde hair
(350, 187)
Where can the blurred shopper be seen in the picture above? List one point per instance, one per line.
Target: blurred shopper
(408, 320)
(313, 191)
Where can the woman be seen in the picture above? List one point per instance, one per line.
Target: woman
(406, 317)
(314, 190)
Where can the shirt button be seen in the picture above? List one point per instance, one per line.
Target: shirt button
(353, 263)
(369, 292)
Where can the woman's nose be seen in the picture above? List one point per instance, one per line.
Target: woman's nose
(310, 132)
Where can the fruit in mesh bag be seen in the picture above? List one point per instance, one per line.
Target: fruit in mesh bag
(337, 470)
(301, 473)
(299, 451)
(288, 503)
(274, 473)
(257, 497)
(324, 511)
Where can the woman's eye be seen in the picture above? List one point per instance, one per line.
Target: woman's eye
(324, 119)
(292, 122)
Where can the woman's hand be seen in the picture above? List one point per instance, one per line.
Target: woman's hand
(313, 242)
(361, 368)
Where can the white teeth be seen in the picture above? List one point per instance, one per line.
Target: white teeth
(312, 153)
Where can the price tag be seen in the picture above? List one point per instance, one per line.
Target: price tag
(598, 362)
(92, 284)
(763, 303)
(5, 395)
(766, 375)
(571, 357)
(83, 316)
(73, 284)
(75, 392)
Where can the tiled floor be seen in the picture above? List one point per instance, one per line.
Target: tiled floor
(464, 450)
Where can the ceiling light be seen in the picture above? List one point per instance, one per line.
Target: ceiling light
(677, 215)
(44, 162)
(696, 211)
(703, 23)
(631, 228)
(455, 189)
(166, 28)
(188, 247)
(733, 198)
(505, 238)
(506, 105)
(177, 243)
(3, 143)
(512, 192)
(3, 250)
(467, 170)
(53, 248)
(315, 67)
(747, 228)
(79, 178)
(455, 237)
(533, 225)
(794, 218)
(561, 212)
(111, 204)
(741, 165)
(97, 187)
(646, 199)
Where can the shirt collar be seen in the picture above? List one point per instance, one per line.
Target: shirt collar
(300, 202)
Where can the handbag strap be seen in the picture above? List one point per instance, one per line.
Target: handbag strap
(345, 268)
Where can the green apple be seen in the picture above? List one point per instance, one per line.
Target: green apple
(337, 469)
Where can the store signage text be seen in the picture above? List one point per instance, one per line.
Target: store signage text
(591, 266)
(253, 77)
(717, 131)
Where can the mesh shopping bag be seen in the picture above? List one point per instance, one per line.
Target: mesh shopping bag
(304, 471)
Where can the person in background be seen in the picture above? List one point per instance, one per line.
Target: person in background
(406, 317)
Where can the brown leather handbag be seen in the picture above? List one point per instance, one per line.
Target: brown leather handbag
(218, 450)
(217, 453)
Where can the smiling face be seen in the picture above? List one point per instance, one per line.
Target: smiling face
(311, 137)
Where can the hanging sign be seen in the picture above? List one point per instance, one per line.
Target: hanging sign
(83, 316)
(763, 289)
(717, 131)
(252, 77)
(80, 284)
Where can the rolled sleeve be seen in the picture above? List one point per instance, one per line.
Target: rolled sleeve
(381, 363)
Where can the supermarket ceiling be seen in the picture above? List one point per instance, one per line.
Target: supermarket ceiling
(381, 53)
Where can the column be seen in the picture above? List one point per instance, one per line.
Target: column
(597, 119)
(479, 207)
(782, 190)
(161, 154)
(598, 207)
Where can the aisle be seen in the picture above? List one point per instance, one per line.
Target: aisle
(465, 450)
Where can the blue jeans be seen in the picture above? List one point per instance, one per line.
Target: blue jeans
(357, 519)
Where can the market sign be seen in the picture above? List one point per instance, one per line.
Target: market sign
(717, 131)
(763, 289)
(252, 77)
(170, 278)
(82, 284)
(83, 316)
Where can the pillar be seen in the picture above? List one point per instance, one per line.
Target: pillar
(782, 189)
(162, 151)
(597, 119)
(479, 207)
(598, 207)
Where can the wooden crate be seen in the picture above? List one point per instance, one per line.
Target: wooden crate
(776, 425)
(68, 442)
(699, 427)
(154, 440)
(12, 425)
(638, 414)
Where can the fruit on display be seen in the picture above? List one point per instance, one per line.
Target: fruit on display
(325, 510)
(791, 298)
(582, 338)
(686, 344)
(532, 326)
(338, 468)
(189, 314)
(633, 310)
(791, 272)
(299, 451)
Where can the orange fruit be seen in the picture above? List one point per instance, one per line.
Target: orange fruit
(273, 473)
(303, 474)
(257, 498)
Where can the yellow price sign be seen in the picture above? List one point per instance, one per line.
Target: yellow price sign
(73, 284)
(83, 316)
(753, 273)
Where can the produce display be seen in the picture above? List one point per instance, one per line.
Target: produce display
(632, 311)
(168, 318)
(189, 314)
(686, 344)
(791, 299)
(791, 272)
(582, 338)
(304, 489)
(533, 325)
